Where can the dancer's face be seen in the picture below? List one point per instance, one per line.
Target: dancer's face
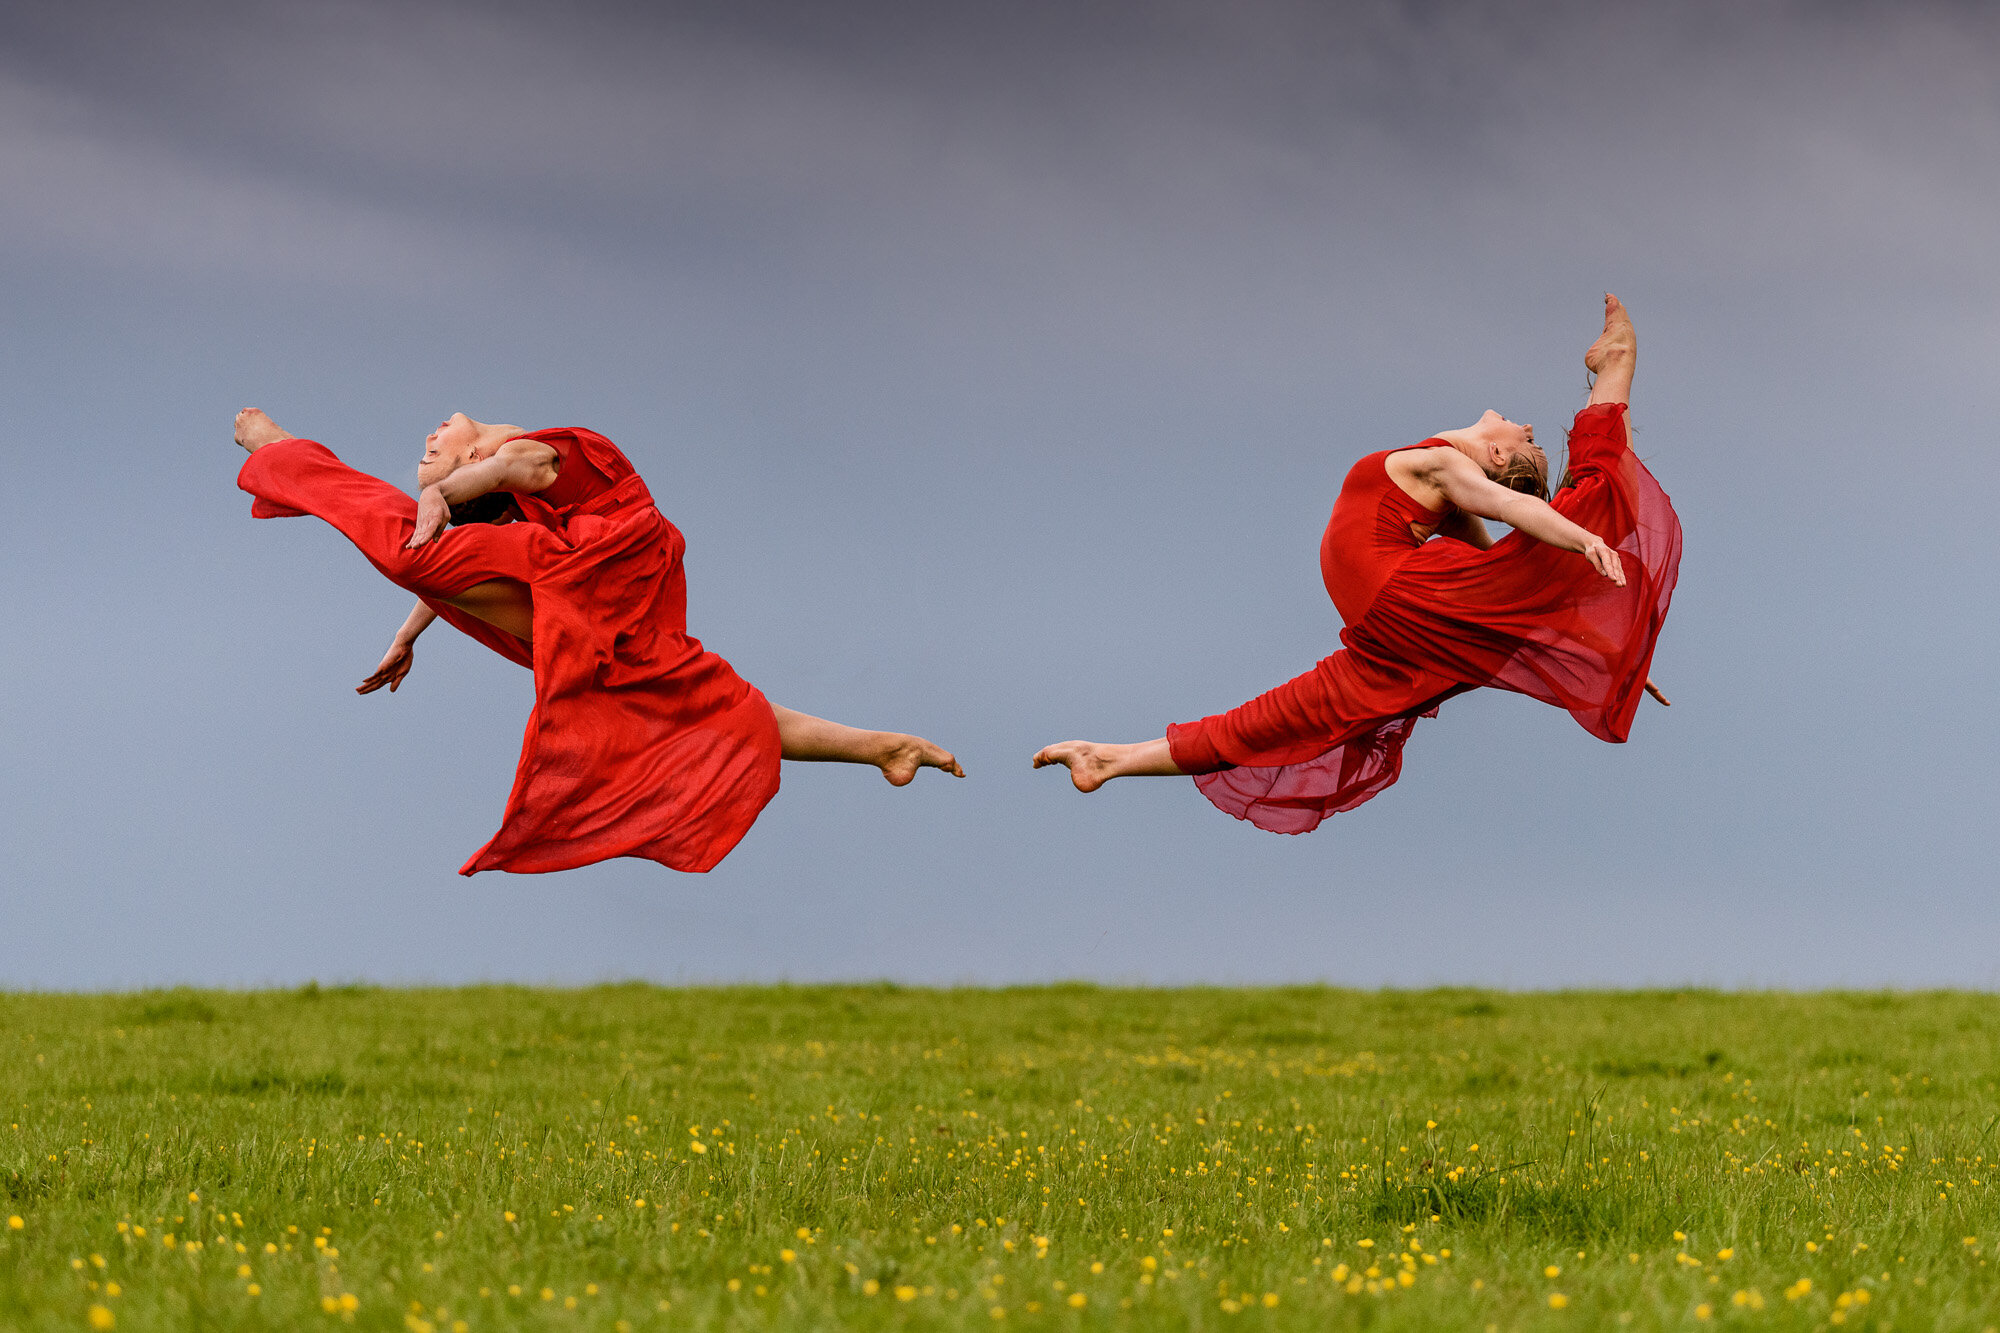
(447, 448)
(1509, 440)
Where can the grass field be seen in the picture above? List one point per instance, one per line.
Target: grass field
(1062, 1158)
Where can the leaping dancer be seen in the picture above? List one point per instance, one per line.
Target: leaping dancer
(641, 742)
(1565, 609)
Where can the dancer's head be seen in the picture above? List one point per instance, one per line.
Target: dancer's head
(1507, 452)
(459, 440)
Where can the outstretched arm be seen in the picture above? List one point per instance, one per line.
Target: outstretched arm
(521, 466)
(397, 661)
(1471, 490)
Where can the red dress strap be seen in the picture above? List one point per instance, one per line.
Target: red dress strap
(1373, 529)
(593, 476)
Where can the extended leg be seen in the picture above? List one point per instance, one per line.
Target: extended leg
(1345, 696)
(814, 739)
(1091, 764)
(378, 519)
(1613, 356)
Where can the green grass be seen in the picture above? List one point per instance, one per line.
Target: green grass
(867, 1157)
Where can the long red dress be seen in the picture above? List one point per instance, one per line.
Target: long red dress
(641, 742)
(1426, 620)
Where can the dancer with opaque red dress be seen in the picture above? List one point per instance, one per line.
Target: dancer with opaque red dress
(1434, 607)
(641, 742)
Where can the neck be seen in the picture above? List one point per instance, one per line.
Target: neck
(1468, 440)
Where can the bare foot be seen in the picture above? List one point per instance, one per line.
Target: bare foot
(254, 430)
(1618, 341)
(906, 754)
(1090, 764)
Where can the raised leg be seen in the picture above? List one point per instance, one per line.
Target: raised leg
(254, 430)
(1613, 356)
(480, 570)
(1612, 359)
(814, 739)
(1091, 764)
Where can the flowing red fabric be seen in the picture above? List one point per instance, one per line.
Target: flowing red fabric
(641, 742)
(1427, 620)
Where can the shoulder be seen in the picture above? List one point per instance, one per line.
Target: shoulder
(575, 442)
(529, 465)
(528, 448)
(1428, 472)
(1432, 458)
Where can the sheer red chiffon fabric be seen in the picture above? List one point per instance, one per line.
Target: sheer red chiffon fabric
(641, 742)
(1522, 616)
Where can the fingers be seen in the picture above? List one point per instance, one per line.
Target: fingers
(1654, 690)
(1606, 562)
(432, 515)
(391, 672)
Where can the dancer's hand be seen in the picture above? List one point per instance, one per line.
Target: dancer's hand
(395, 665)
(433, 514)
(1654, 690)
(1604, 560)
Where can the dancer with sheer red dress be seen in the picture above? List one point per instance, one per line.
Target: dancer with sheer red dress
(641, 742)
(1565, 609)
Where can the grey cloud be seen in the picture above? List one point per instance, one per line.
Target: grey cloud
(1061, 144)
(75, 190)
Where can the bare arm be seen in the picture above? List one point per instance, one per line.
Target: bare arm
(397, 662)
(521, 466)
(1461, 482)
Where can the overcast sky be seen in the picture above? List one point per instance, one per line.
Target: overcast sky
(1001, 363)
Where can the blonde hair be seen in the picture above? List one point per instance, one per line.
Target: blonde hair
(1527, 474)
